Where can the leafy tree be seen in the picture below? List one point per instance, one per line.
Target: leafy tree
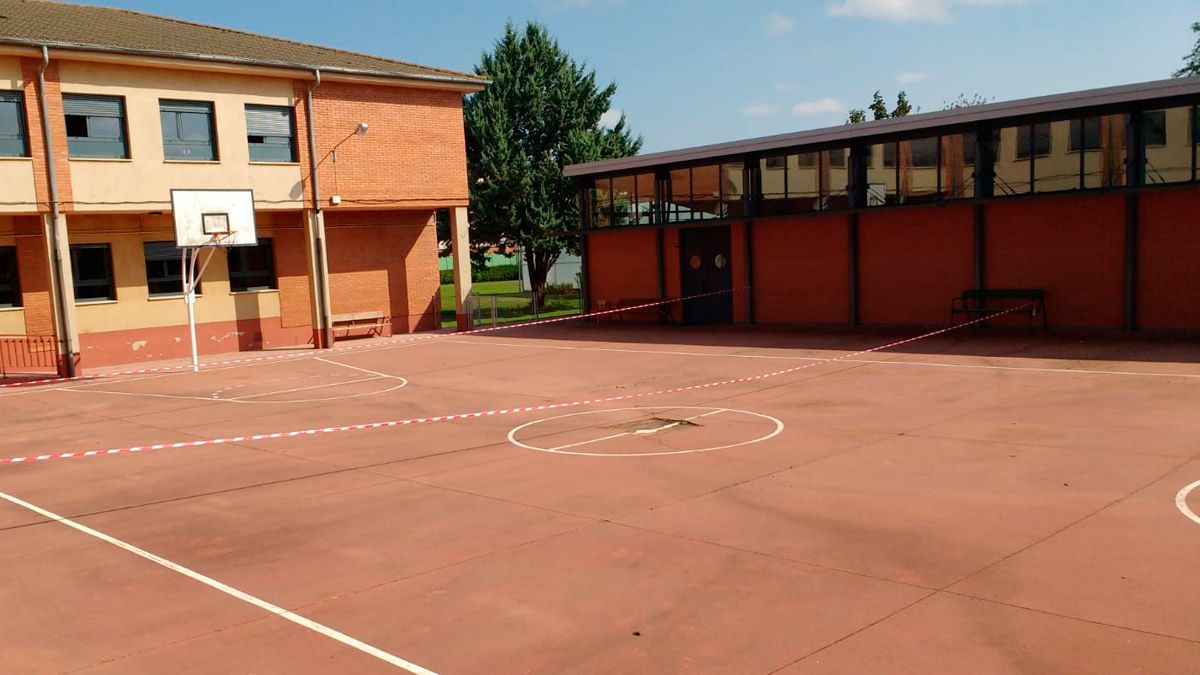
(1191, 62)
(540, 113)
(880, 110)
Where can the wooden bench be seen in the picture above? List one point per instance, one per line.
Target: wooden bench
(979, 303)
(372, 321)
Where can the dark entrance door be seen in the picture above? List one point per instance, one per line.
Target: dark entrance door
(704, 261)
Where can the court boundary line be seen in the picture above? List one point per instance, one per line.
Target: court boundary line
(413, 421)
(238, 594)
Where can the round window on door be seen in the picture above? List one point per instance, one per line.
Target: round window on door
(720, 261)
(694, 262)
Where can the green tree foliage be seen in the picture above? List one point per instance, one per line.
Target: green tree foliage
(879, 109)
(964, 101)
(540, 113)
(1191, 62)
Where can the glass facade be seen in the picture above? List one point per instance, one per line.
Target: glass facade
(1070, 153)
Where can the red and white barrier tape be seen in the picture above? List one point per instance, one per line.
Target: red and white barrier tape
(489, 413)
(374, 344)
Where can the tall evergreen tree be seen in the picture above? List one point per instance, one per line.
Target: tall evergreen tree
(1191, 62)
(540, 113)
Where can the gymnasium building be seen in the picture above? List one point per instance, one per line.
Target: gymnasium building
(1090, 198)
(104, 111)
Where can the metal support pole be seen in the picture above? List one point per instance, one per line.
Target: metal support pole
(978, 253)
(1131, 236)
(852, 250)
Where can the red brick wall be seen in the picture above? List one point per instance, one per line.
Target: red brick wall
(1168, 265)
(911, 262)
(34, 270)
(58, 130)
(291, 271)
(414, 151)
(386, 262)
(1072, 246)
(801, 270)
(621, 265)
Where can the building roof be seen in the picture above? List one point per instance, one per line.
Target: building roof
(88, 28)
(1047, 106)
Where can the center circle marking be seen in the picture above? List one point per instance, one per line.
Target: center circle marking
(775, 422)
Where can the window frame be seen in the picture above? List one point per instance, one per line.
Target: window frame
(13, 288)
(213, 144)
(292, 146)
(76, 282)
(237, 253)
(77, 144)
(16, 98)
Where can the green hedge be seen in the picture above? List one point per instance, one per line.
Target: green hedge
(497, 273)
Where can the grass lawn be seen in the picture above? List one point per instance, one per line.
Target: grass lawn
(559, 308)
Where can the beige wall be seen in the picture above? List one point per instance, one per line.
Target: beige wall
(134, 308)
(146, 178)
(16, 173)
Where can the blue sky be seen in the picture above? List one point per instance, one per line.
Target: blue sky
(702, 71)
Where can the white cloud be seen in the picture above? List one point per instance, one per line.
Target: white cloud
(610, 118)
(912, 77)
(778, 24)
(760, 110)
(824, 106)
(937, 11)
(784, 88)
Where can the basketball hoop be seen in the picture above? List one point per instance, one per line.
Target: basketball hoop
(208, 219)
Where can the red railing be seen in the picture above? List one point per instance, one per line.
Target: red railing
(28, 354)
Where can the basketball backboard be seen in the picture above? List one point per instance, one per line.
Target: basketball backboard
(213, 218)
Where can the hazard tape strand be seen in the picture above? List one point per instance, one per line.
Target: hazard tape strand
(414, 421)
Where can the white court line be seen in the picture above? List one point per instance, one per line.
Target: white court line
(282, 613)
(1182, 505)
(512, 435)
(292, 391)
(639, 431)
(1086, 371)
(361, 370)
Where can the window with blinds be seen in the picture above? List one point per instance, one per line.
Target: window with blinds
(164, 268)
(13, 139)
(187, 129)
(91, 267)
(95, 126)
(270, 134)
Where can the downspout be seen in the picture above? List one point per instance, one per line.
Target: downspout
(60, 309)
(318, 233)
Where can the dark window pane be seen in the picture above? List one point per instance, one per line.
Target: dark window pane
(1104, 162)
(1059, 171)
(194, 127)
(92, 272)
(164, 265)
(1170, 159)
(187, 128)
(1012, 174)
(924, 152)
(104, 127)
(270, 134)
(12, 125)
(1154, 127)
(77, 126)
(681, 195)
(1041, 140)
(10, 286)
(837, 157)
(252, 268)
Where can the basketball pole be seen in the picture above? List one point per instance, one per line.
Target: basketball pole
(191, 279)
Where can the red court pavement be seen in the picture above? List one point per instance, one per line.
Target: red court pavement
(978, 501)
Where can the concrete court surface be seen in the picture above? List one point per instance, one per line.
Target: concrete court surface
(974, 502)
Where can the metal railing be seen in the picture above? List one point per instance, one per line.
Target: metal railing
(28, 354)
(500, 308)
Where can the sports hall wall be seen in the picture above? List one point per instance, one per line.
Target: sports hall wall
(912, 261)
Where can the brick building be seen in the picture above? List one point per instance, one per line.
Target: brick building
(104, 111)
(1089, 196)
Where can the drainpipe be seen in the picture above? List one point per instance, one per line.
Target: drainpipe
(61, 311)
(320, 272)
